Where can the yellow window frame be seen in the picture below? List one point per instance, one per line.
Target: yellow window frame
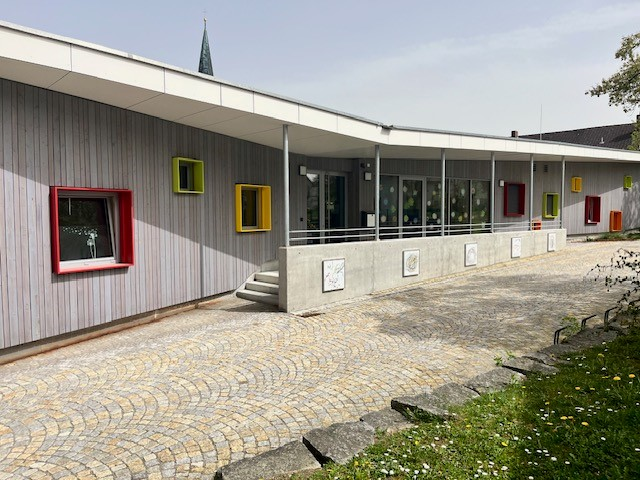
(263, 208)
(576, 184)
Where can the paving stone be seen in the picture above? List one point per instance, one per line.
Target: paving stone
(232, 380)
(528, 366)
(339, 442)
(387, 420)
(494, 380)
(291, 458)
(437, 402)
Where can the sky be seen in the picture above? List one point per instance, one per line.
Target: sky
(486, 67)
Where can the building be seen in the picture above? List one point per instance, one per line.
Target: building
(128, 186)
(607, 136)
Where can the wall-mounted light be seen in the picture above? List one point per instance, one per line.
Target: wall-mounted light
(367, 176)
(502, 183)
(302, 170)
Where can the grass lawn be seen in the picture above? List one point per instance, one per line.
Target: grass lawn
(582, 423)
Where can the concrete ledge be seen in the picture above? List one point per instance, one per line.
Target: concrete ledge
(339, 442)
(286, 460)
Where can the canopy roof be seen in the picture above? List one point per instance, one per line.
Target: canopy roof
(140, 85)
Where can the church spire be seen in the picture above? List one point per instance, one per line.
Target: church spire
(205, 54)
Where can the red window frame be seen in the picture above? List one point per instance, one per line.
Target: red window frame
(521, 197)
(592, 209)
(125, 229)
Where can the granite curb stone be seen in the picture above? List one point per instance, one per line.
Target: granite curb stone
(339, 442)
(387, 420)
(286, 460)
(493, 380)
(436, 403)
(528, 366)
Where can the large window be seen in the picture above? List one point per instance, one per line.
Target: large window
(91, 229)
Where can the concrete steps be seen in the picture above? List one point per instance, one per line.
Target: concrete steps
(262, 287)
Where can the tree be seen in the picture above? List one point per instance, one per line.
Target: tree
(623, 87)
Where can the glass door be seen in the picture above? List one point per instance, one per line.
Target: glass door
(412, 207)
(326, 203)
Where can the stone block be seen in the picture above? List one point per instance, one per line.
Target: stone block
(545, 358)
(528, 366)
(387, 420)
(494, 380)
(437, 402)
(591, 337)
(339, 442)
(291, 458)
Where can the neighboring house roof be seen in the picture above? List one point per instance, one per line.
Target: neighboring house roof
(608, 136)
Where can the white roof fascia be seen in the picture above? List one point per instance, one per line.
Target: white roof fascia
(151, 87)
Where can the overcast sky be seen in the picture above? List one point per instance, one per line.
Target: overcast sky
(473, 66)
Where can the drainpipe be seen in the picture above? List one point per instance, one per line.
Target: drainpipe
(493, 190)
(443, 166)
(562, 193)
(285, 152)
(531, 192)
(377, 193)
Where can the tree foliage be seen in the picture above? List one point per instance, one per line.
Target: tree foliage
(623, 87)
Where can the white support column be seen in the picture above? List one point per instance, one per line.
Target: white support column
(531, 192)
(443, 166)
(562, 193)
(285, 155)
(492, 198)
(377, 192)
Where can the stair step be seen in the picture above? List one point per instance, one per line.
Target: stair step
(262, 287)
(259, 297)
(272, 277)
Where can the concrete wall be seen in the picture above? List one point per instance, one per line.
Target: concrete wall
(375, 266)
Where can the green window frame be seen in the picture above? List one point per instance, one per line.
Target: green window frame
(188, 175)
(550, 205)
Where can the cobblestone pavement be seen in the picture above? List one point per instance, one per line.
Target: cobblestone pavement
(186, 395)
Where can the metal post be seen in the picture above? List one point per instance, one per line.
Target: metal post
(562, 193)
(377, 193)
(285, 152)
(443, 166)
(531, 192)
(492, 199)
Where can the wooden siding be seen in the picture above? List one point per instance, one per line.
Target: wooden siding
(186, 246)
(605, 181)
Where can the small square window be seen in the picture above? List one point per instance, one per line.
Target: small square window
(91, 229)
(514, 199)
(253, 208)
(576, 184)
(188, 175)
(591, 210)
(550, 203)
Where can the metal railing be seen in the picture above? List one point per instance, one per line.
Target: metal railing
(359, 234)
